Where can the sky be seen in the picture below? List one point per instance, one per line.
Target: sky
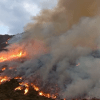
(15, 14)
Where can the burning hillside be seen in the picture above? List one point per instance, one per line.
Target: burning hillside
(59, 54)
(11, 90)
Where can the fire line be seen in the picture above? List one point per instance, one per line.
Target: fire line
(12, 56)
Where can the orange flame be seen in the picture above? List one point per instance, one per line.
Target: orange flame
(12, 56)
(18, 88)
(24, 84)
(3, 69)
(35, 87)
(4, 79)
(18, 78)
(42, 93)
(47, 95)
(26, 90)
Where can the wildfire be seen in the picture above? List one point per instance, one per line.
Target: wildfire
(24, 84)
(12, 56)
(4, 79)
(35, 87)
(15, 55)
(47, 95)
(42, 93)
(18, 88)
(18, 78)
(26, 90)
(21, 85)
(3, 69)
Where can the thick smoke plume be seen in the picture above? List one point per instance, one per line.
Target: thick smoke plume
(63, 50)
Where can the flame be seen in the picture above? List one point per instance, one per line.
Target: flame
(24, 84)
(26, 90)
(18, 54)
(3, 69)
(35, 87)
(4, 79)
(18, 88)
(47, 95)
(12, 56)
(18, 78)
(41, 93)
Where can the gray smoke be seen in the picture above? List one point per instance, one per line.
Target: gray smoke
(55, 43)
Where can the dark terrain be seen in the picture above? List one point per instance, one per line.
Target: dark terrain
(7, 89)
(3, 40)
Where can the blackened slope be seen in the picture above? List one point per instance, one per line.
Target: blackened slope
(3, 40)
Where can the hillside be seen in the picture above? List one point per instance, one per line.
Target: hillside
(7, 89)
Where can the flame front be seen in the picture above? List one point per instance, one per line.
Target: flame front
(21, 85)
(15, 54)
(35, 87)
(12, 56)
(47, 95)
(18, 78)
(4, 79)
(41, 93)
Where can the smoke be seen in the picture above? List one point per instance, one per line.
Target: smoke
(56, 42)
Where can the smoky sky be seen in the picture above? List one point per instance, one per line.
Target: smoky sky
(15, 14)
